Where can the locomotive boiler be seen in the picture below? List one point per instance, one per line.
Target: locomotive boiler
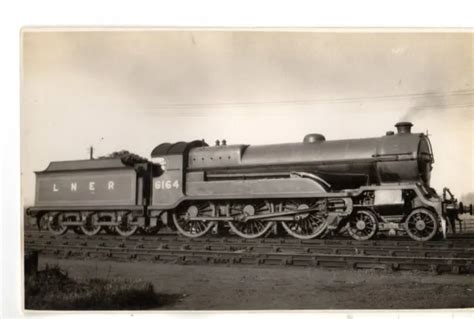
(308, 189)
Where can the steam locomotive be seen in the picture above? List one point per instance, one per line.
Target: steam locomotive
(310, 189)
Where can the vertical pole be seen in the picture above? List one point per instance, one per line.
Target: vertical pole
(91, 152)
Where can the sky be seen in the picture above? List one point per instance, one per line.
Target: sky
(134, 89)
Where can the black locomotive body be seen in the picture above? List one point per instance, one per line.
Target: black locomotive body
(310, 189)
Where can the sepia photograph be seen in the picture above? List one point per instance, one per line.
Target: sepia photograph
(167, 169)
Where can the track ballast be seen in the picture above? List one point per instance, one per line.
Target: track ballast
(456, 255)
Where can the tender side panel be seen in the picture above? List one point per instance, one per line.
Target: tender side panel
(87, 188)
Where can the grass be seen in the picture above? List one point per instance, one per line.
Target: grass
(53, 289)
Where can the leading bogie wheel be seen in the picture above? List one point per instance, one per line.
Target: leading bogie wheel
(363, 225)
(55, 225)
(182, 219)
(421, 224)
(252, 228)
(307, 225)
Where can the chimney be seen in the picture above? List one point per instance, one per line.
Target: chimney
(403, 127)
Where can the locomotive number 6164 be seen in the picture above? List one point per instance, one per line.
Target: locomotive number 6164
(166, 184)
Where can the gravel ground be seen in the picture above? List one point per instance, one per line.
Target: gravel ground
(214, 287)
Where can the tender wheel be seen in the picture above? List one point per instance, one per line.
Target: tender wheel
(125, 228)
(306, 225)
(363, 225)
(194, 228)
(251, 228)
(149, 230)
(90, 228)
(42, 222)
(77, 230)
(421, 224)
(110, 230)
(55, 224)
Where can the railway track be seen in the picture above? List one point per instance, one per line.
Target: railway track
(455, 255)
